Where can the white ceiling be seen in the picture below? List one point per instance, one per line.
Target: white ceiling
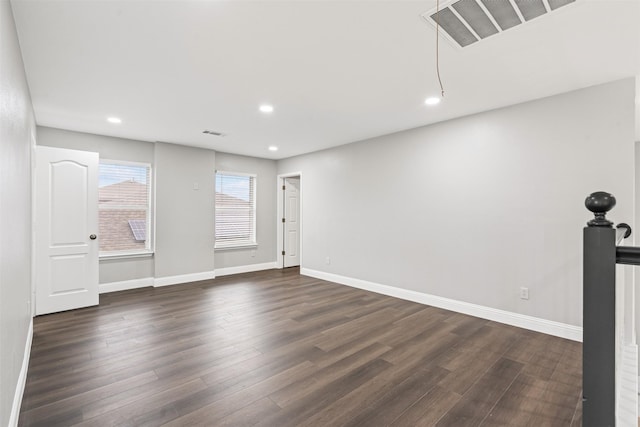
(335, 71)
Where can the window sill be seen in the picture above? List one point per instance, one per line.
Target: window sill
(238, 246)
(125, 255)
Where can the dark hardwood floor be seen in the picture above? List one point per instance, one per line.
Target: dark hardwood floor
(278, 349)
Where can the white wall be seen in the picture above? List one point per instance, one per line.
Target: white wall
(111, 270)
(474, 208)
(17, 135)
(184, 216)
(266, 216)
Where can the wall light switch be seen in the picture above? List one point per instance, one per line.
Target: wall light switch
(196, 186)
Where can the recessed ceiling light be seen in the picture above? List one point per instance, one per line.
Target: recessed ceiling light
(114, 120)
(273, 148)
(266, 108)
(433, 100)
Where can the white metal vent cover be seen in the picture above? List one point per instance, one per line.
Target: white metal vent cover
(465, 22)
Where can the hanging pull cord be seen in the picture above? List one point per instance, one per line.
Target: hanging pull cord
(438, 46)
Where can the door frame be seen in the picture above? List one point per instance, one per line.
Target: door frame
(280, 212)
(32, 301)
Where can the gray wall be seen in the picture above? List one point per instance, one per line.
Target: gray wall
(474, 208)
(109, 147)
(111, 270)
(17, 135)
(184, 216)
(266, 216)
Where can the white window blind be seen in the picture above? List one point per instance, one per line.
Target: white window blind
(235, 209)
(124, 190)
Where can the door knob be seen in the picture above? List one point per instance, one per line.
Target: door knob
(93, 237)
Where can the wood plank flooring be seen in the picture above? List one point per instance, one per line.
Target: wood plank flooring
(278, 349)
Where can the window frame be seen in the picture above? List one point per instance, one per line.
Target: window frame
(252, 243)
(150, 232)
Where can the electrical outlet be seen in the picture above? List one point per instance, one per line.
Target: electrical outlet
(253, 252)
(524, 293)
(328, 260)
(196, 186)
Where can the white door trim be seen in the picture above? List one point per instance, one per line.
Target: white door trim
(280, 212)
(32, 294)
(291, 234)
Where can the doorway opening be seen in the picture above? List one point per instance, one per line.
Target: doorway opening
(289, 230)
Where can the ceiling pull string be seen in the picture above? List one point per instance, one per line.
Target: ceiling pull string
(438, 47)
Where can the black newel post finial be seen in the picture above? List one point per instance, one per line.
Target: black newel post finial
(600, 203)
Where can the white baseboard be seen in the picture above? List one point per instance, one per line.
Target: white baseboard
(549, 327)
(125, 285)
(245, 268)
(183, 278)
(22, 379)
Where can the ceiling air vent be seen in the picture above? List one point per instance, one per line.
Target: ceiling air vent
(213, 132)
(465, 22)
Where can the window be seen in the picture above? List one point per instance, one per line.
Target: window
(124, 190)
(235, 210)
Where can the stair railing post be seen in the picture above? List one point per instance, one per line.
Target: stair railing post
(599, 312)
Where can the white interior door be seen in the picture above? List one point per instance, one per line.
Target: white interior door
(66, 224)
(291, 244)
